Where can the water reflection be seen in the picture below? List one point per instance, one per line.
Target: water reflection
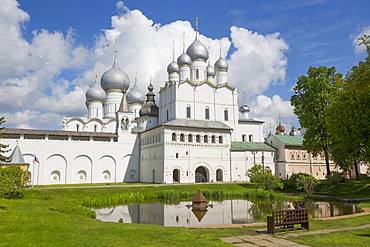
(224, 212)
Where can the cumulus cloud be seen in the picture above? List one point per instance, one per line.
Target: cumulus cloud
(360, 48)
(34, 74)
(270, 109)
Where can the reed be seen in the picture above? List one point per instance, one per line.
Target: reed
(174, 196)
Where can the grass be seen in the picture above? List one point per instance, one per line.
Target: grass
(56, 217)
(346, 238)
(48, 216)
(350, 189)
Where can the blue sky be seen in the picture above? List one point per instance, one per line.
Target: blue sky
(56, 68)
(318, 32)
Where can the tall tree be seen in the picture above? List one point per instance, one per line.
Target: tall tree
(349, 116)
(311, 99)
(3, 147)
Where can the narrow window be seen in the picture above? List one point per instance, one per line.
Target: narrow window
(213, 139)
(226, 115)
(168, 115)
(190, 138)
(95, 128)
(244, 137)
(177, 155)
(205, 139)
(77, 127)
(197, 138)
(174, 137)
(188, 111)
(182, 137)
(220, 139)
(197, 74)
(207, 113)
(250, 138)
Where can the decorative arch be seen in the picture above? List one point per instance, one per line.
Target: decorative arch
(96, 120)
(81, 168)
(76, 119)
(219, 175)
(106, 163)
(56, 162)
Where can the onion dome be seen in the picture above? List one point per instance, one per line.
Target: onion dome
(280, 129)
(197, 50)
(149, 108)
(95, 92)
(173, 68)
(115, 78)
(244, 108)
(135, 95)
(221, 65)
(184, 60)
(210, 71)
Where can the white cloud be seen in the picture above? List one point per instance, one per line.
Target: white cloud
(269, 110)
(360, 48)
(258, 61)
(32, 82)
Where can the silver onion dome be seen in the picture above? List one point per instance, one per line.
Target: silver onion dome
(173, 67)
(210, 71)
(115, 78)
(184, 60)
(149, 108)
(95, 93)
(135, 95)
(221, 65)
(197, 51)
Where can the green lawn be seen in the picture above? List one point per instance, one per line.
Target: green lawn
(349, 189)
(56, 217)
(347, 238)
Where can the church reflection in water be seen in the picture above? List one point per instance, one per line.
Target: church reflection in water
(225, 212)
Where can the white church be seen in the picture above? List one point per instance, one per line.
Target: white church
(194, 131)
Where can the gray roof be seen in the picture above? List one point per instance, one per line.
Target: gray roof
(56, 132)
(197, 124)
(16, 157)
(242, 119)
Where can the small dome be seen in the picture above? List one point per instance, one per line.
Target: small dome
(280, 129)
(197, 51)
(184, 60)
(115, 78)
(149, 108)
(210, 71)
(173, 68)
(244, 108)
(95, 93)
(135, 95)
(221, 65)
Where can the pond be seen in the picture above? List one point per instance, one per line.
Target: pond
(218, 212)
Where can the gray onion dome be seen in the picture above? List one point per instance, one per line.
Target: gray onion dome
(197, 51)
(221, 65)
(135, 95)
(149, 108)
(95, 93)
(210, 71)
(184, 60)
(173, 68)
(115, 78)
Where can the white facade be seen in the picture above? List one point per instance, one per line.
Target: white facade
(188, 138)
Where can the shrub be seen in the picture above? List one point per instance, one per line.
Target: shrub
(263, 178)
(12, 180)
(307, 184)
(336, 178)
(293, 182)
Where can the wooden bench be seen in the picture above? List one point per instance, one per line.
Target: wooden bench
(287, 218)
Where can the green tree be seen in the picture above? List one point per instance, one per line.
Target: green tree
(349, 116)
(263, 178)
(311, 99)
(3, 147)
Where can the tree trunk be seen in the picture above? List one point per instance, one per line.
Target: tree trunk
(355, 165)
(327, 164)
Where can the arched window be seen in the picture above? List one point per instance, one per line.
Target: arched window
(55, 176)
(81, 175)
(190, 138)
(197, 138)
(220, 139)
(244, 137)
(174, 137)
(77, 127)
(205, 139)
(219, 175)
(182, 137)
(213, 139)
(106, 175)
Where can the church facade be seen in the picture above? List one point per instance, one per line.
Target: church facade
(194, 132)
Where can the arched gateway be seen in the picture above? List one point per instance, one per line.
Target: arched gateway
(201, 175)
(176, 176)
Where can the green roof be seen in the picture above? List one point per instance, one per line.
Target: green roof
(290, 140)
(251, 146)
